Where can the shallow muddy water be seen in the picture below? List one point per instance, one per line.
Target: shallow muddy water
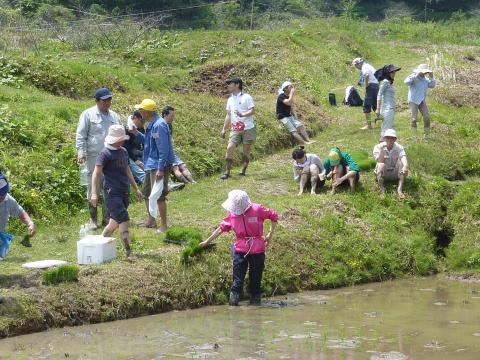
(430, 318)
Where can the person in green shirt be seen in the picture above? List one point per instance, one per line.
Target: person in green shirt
(340, 168)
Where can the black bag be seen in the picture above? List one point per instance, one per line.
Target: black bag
(332, 99)
(354, 98)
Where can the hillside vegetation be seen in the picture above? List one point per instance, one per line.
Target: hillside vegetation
(323, 241)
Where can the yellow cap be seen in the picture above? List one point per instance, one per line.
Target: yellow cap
(147, 105)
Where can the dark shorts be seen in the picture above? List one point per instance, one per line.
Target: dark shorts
(370, 102)
(117, 203)
(150, 180)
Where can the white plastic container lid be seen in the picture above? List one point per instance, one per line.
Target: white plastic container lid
(43, 264)
(95, 240)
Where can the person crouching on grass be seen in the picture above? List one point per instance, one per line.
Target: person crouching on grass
(112, 161)
(341, 169)
(308, 170)
(246, 220)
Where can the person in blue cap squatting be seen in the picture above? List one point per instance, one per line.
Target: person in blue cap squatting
(10, 208)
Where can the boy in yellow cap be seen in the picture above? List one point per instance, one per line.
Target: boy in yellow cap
(340, 168)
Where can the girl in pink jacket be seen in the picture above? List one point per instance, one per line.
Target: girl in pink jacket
(246, 220)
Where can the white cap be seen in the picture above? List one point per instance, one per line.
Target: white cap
(237, 203)
(422, 68)
(390, 133)
(284, 85)
(357, 60)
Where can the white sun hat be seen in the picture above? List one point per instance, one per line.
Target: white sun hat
(284, 85)
(422, 68)
(237, 203)
(116, 133)
(390, 133)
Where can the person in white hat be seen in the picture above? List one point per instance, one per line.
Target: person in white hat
(392, 164)
(112, 163)
(246, 220)
(418, 84)
(368, 78)
(286, 114)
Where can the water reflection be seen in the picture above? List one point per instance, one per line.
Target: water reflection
(424, 319)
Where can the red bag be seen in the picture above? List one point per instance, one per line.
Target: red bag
(238, 126)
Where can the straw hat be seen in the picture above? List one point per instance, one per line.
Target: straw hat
(116, 133)
(237, 202)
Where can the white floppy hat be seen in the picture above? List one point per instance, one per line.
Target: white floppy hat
(357, 60)
(422, 68)
(284, 85)
(116, 133)
(390, 133)
(237, 203)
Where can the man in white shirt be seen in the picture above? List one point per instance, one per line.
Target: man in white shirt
(392, 164)
(92, 129)
(368, 78)
(240, 110)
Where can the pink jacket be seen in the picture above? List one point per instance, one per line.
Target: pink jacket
(249, 228)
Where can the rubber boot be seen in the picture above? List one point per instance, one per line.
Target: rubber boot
(255, 299)
(93, 215)
(426, 133)
(234, 298)
(414, 132)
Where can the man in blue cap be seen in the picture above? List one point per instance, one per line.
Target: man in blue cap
(10, 208)
(91, 132)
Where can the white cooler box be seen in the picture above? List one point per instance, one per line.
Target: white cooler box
(96, 249)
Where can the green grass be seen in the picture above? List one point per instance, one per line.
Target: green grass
(321, 242)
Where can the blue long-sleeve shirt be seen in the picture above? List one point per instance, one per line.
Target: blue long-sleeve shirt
(417, 88)
(158, 151)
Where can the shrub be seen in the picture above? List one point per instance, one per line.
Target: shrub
(63, 273)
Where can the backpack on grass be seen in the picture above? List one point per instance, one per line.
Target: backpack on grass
(352, 97)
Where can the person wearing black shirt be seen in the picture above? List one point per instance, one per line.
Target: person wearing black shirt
(286, 114)
(134, 145)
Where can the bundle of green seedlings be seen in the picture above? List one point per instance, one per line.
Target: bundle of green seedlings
(364, 162)
(189, 237)
(63, 273)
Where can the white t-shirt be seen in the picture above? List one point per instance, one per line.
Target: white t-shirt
(391, 156)
(241, 102)
(370, 70)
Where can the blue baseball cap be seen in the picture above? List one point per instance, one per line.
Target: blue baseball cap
(103, 94)
(3, 185)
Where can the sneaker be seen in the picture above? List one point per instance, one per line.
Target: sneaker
(176, 186)
(225, 176)
(366, 127)
(242, 174)
(234, 298)
(255, 299)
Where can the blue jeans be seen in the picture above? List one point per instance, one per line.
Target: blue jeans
(255, 263)
(137, 172)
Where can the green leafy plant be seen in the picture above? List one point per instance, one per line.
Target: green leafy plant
(63, 273)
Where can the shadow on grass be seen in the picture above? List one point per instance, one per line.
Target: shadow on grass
(17, 280)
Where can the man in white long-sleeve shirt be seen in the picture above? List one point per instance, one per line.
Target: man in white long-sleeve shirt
(91, 132)
(418, 86)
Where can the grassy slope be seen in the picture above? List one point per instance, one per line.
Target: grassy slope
(342, 240)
